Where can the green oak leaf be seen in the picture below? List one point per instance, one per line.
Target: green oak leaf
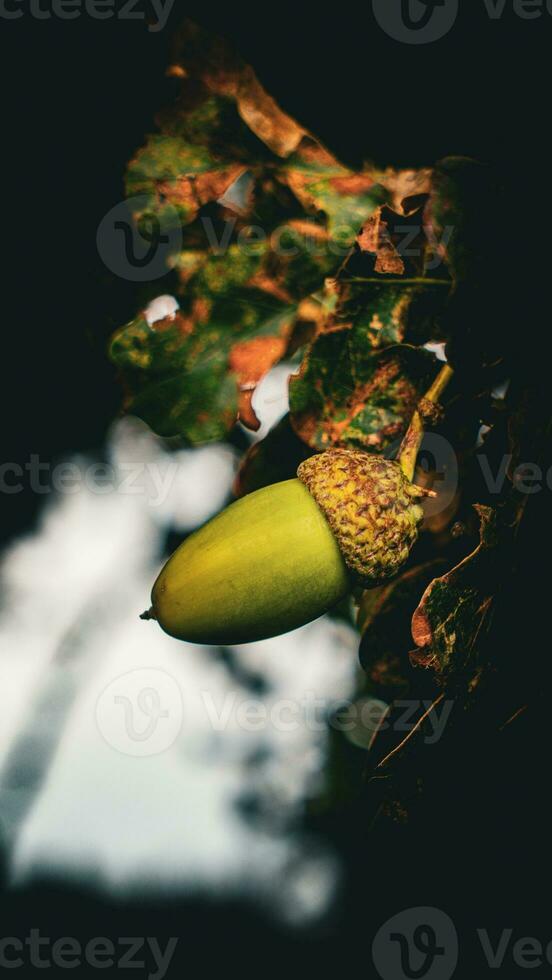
(358, 387)
(222, 275)
(266, 217)
(212, 121)
(297, 259)
(183, 376)
(169, 172)
(389, 310)
(321, 184)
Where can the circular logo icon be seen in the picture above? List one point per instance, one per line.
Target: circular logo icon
(417, 944)
(415, 21)
(137, 249)
(437, 457)
(140, 713)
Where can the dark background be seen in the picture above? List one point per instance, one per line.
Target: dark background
(77, 99)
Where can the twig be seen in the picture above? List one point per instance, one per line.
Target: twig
(515, 715)
(407, 738)
(410, 446)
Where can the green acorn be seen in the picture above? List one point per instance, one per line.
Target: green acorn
(284, 555)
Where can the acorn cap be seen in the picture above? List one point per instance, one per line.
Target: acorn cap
(371, 507)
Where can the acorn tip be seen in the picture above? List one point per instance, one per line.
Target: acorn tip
(148, 614)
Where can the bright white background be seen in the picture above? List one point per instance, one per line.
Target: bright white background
(110, 761)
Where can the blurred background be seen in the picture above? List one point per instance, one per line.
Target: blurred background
(133, 798)
(128, 757)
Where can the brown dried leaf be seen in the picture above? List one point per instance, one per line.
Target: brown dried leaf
(389, 261)
(250, 360)
(369, 237)
(384, 621)
(452, 610)
(403, 184)
(222, 72)
(375, 238)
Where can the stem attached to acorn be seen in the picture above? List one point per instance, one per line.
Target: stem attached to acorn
(410, 446)
(148, 614)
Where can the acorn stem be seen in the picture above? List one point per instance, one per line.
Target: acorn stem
(148, 614)
(410, 446)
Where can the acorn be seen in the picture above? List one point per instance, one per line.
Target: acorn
(284, 555)
(287, 553)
